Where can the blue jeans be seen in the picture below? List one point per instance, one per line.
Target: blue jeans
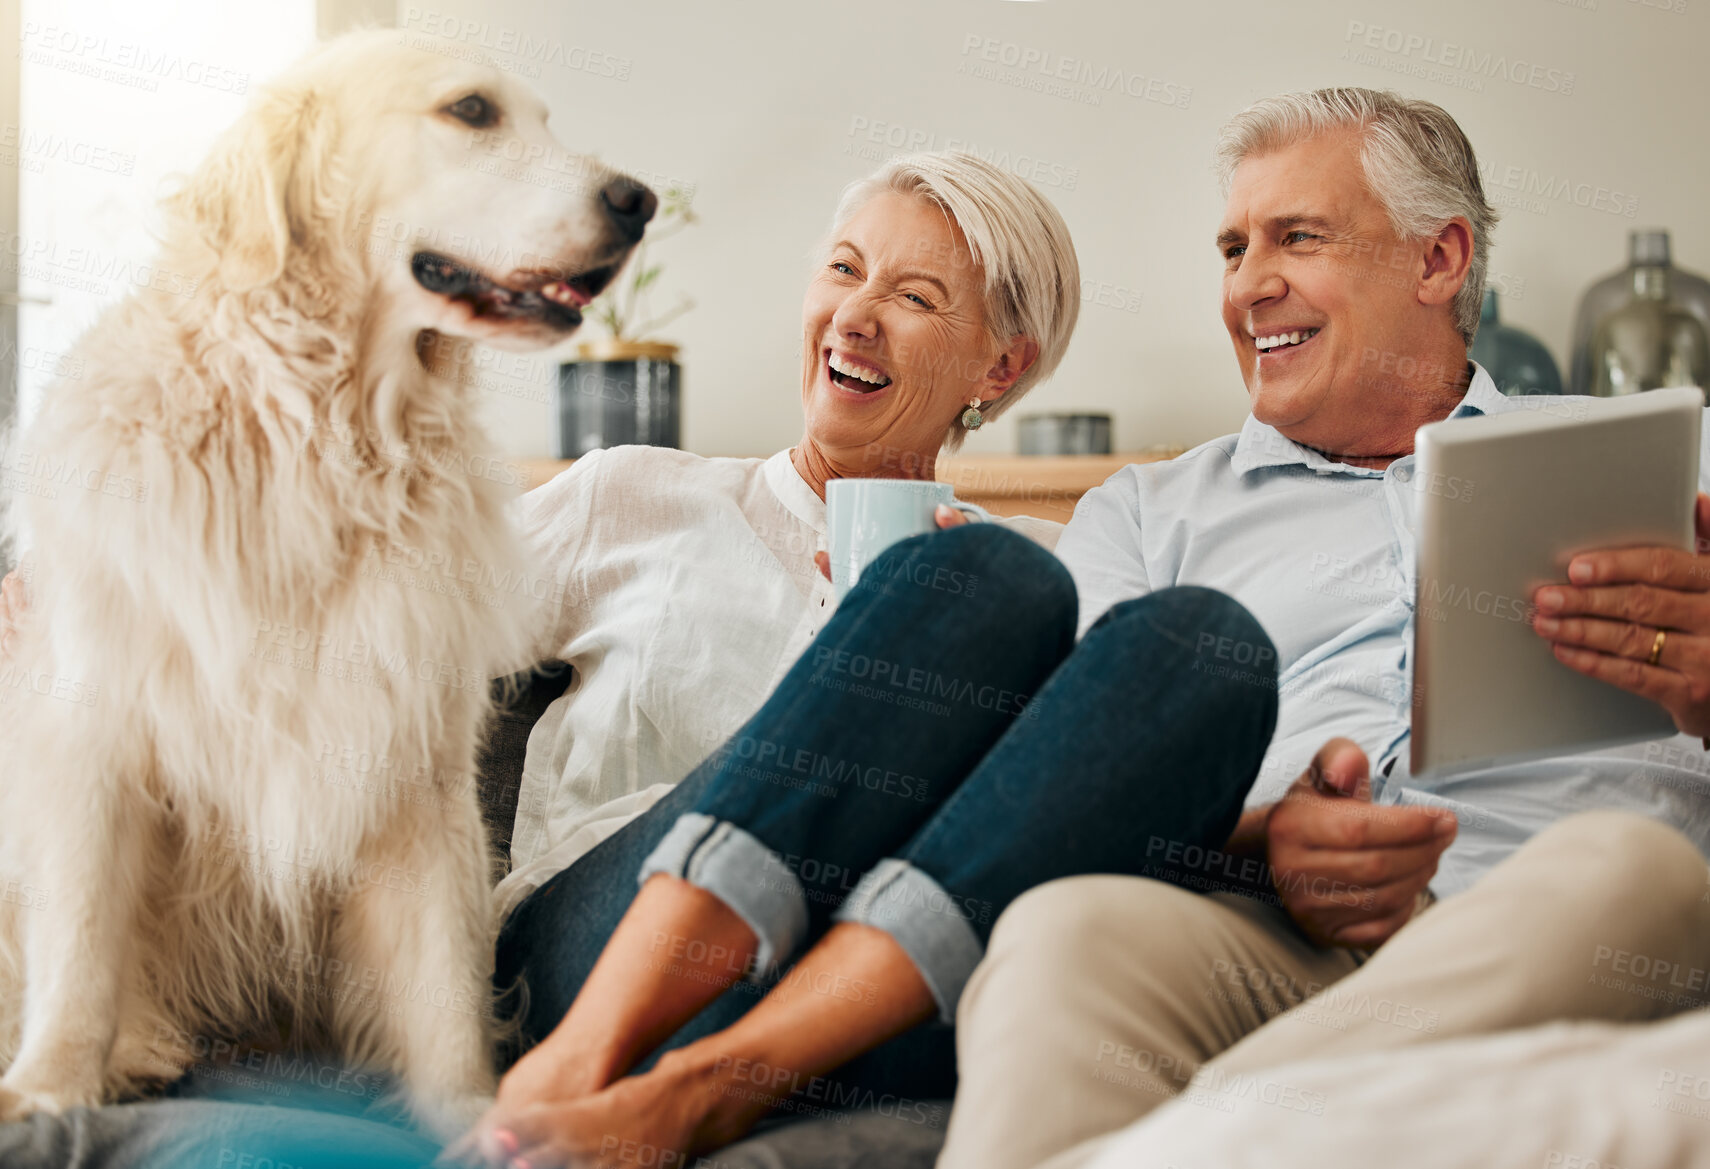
(942, 747)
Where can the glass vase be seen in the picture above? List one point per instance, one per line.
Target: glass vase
(1646, 248)
(1649, 342)
(1517, 361)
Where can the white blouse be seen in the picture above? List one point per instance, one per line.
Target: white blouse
(683, 589)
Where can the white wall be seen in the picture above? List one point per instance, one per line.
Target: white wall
(762, 104)
(765, 106)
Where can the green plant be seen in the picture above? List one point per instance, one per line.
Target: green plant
(623, 309)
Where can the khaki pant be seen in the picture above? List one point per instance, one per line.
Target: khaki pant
(1100, 998)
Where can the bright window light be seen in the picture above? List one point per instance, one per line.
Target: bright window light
(116, 96)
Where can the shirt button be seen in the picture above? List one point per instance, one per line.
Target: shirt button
(1404, 474)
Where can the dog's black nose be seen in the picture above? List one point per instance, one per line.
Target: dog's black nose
(629, 204)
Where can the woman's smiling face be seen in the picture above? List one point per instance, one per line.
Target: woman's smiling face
(894, 337)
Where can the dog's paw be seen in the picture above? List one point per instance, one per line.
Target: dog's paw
(19, 1104)
(445, 1118)
(13, 1105)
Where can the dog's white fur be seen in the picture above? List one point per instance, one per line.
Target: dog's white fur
(236, 777)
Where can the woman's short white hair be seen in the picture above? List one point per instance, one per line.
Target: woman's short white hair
(1032, 278)
(1416, 160)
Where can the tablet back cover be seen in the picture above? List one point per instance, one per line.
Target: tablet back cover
(1505, 502)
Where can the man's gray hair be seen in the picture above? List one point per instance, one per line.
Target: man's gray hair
(1032, 278)
(1416, 160)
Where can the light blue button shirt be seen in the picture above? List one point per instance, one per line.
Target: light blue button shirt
(1322, 553)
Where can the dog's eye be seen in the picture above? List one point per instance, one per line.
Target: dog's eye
(474, 110)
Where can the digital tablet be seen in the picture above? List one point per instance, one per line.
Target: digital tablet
(1505, 502)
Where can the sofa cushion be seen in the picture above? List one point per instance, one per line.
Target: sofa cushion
(518, 703)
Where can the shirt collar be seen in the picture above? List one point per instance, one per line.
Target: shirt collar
(793, 491)
(1261, 446)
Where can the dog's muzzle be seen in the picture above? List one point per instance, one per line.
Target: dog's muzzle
(546, 298)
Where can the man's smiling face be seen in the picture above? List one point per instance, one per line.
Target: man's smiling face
(1315, 281)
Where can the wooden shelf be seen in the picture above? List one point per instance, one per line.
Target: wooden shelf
(1047, 486)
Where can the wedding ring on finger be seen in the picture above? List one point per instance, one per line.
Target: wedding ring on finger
(1657, 648)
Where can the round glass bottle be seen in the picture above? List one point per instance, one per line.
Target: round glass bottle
(1646, 247)
(1649, 342)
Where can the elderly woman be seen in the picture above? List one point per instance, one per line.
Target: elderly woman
(686, 586)
(931, 748)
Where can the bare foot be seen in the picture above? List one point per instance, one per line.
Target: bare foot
(548, 1074)
(687, 1104)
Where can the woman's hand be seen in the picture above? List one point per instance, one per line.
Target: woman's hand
(1638, 619)
(13, 603)
(945, 516)
(951, 517)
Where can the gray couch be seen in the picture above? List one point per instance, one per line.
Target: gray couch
(211, 1134)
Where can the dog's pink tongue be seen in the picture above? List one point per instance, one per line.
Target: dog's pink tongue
(564, 293)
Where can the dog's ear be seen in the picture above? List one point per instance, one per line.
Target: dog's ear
(263, 182)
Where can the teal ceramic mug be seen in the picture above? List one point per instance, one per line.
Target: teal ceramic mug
(863, 517)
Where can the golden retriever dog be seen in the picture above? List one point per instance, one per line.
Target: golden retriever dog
(271, 579)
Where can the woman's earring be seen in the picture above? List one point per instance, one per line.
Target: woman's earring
(971, 417)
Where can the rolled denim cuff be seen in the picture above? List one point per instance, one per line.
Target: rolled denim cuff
(924, 920)
(719, 857)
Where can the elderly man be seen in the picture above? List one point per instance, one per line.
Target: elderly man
(1354, 243)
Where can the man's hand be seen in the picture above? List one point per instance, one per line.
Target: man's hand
(1639, 619)
(12, 606)
(1349, 871)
